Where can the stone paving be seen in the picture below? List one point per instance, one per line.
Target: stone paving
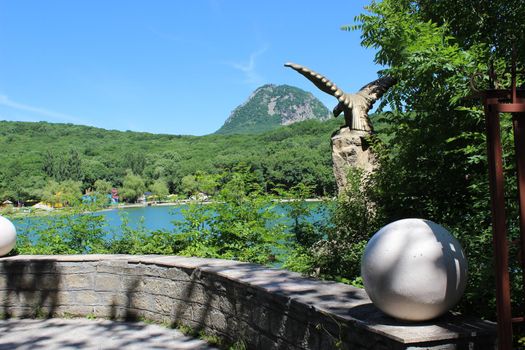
(58, 334)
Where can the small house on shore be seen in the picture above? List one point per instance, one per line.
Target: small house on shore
(6, 204)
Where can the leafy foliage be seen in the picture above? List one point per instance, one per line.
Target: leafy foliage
(432, 147)
(133, 186)
(72, 233)
(240, 225)
(33, 153)
(333, 248)
(62, 167)
(141, 240)
(65, 193)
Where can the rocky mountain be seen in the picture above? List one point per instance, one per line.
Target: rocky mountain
(271, 106)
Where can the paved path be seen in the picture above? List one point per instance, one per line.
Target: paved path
(54, 334)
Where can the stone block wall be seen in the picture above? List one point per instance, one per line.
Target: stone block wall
(266, 308)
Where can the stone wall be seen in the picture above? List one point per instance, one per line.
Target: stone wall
(267, 308)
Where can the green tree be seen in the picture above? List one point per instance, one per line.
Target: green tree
(65, 193)
(133, 187)
(140, 240)
(299, 153)
(432, 147)
(135, 161)
(103, 186)
(94, 170)
(200, 182)
(63, 166)
(160, 189)
(207, 183)
(189, 185)
(163, 165)
(333, 249)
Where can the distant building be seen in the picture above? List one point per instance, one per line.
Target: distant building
(7, 203)
(89, 198)
(114, 196)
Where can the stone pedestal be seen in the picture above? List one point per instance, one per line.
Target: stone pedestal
(349, 150)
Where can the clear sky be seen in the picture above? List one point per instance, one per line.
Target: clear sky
(167, 66)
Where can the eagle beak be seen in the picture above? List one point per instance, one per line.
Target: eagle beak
(338, 109)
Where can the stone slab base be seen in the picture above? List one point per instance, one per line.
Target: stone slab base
(349, 150)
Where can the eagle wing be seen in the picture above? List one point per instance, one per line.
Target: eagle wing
(373, 91)
(320, 81)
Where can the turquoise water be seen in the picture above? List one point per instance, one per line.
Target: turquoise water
(151, 218)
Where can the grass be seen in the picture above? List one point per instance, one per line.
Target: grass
(211, 339)
(238, 345)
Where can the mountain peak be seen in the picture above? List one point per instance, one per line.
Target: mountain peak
(271, 106)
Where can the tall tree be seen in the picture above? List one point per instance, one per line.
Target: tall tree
(432, 157)
(135, 161)
(133, 187)
(63, 166)
(160, 189)
(103, 186)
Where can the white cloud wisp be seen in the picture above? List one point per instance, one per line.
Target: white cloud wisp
(55, 116)
(251, 76)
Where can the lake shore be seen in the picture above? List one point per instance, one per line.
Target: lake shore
(153, 218)
(29, 211)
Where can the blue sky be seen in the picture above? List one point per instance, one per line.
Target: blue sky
(175, 67)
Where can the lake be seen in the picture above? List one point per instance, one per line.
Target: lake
(153, 218)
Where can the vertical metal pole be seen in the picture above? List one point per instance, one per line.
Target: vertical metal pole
(501, 254)
(518, 123)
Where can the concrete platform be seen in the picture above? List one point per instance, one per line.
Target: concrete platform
(58, 334)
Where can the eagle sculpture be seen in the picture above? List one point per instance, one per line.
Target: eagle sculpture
(355, 107)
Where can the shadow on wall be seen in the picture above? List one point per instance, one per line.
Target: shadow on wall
(36, 290)
(31, 289)
(204, 302)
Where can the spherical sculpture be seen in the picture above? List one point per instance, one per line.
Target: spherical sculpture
(414, 270)
(7, 236)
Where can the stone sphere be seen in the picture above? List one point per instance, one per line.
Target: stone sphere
(7, 236)
(414, 270)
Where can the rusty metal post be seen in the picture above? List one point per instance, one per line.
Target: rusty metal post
(518, 123)
(501, 253)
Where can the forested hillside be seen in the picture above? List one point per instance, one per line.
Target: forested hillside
(38, 155)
